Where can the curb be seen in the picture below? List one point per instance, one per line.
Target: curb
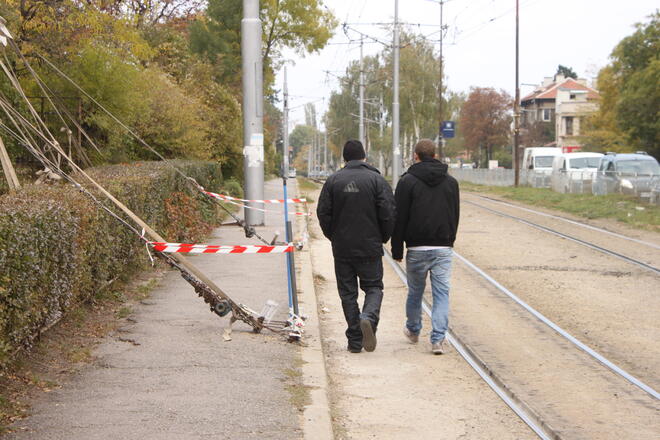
(316, 423)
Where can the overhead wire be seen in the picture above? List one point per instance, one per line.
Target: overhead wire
(249, 230)
(210, 295)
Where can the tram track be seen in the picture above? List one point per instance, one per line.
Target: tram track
(522, 410)
(567, 220)
(572, 238)
(534, 418)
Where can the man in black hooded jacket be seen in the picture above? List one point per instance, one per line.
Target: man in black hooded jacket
(356, 213)
(427, 204)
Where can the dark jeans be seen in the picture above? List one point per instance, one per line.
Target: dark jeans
(370, 274)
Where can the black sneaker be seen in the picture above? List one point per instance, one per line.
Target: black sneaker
(354, 349)
(368, 335)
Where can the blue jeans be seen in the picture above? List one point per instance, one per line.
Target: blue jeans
(418, 265)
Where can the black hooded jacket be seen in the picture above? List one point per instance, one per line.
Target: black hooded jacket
(356, 211)
(427, 204)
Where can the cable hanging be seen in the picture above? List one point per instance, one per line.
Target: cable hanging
(249, 230)
(23, 132)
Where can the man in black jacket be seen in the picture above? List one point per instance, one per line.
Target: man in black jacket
(356, 212)
(427, 203)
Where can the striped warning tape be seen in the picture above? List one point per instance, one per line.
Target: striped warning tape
(226, 197)
(220, 249)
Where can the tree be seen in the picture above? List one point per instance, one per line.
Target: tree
(146, 76)
(302, 25)
(300, 136)
(568, 72)
(485, 120)
(418, 97)
(538, 133)
(637, 66)
(629, 115)
(455, 101)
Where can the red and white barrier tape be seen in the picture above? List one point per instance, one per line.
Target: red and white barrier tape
(226, 197)
(242, 205)
(221, 249)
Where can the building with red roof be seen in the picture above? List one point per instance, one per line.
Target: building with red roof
(557, 108)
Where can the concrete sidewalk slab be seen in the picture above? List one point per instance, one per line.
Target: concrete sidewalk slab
(171, 376)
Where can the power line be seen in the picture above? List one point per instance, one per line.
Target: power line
(484, 24)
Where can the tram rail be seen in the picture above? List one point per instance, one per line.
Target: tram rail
(566, 220)
(527, 414)
(572, 238)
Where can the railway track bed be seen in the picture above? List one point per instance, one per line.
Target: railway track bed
(606, 305)
(561, 391)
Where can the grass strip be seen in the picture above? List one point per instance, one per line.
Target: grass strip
(625, 209)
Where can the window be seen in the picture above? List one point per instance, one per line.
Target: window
(547, 114)
(543, 161)
(569, 125)
(572, 97)
(638, 167)
(585, 162)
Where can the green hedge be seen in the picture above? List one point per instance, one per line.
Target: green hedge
(57, 248)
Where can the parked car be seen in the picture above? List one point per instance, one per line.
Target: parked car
(292, 173)
(540, 158)
(574, 172)
(627, 173)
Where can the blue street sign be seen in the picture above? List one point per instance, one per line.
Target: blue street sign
(448, 129)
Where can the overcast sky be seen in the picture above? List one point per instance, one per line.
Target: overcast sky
(479, 46)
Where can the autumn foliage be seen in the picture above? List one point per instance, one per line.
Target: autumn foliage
(485, 122)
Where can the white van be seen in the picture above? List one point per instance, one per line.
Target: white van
(537, 166)
(574, 172)
(540, 158)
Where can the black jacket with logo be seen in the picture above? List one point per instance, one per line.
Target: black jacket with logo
(356, 211)
(427, 204)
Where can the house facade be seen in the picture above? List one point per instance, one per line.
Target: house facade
(556, 109)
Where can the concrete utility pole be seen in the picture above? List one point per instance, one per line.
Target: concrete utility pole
(325, 150)
(285, 129)
(516, 107)
(361, 91)
(396, 148)
(441, 140)
(253, 100)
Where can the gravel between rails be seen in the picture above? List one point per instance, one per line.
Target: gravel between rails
(577, 397)
(610, 305)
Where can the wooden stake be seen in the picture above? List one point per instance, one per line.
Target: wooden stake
(8, 168)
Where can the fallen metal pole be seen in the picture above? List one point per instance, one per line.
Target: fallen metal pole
(8, 168)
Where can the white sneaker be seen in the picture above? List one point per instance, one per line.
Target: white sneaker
(438, 347)
(413, 338)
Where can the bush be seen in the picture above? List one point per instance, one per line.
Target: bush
(57, 248)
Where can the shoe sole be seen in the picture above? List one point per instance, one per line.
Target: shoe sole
(368, 336)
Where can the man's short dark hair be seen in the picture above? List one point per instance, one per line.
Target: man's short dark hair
(425, 149)
(353, 150)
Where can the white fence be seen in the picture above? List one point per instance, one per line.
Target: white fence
(643, 186)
